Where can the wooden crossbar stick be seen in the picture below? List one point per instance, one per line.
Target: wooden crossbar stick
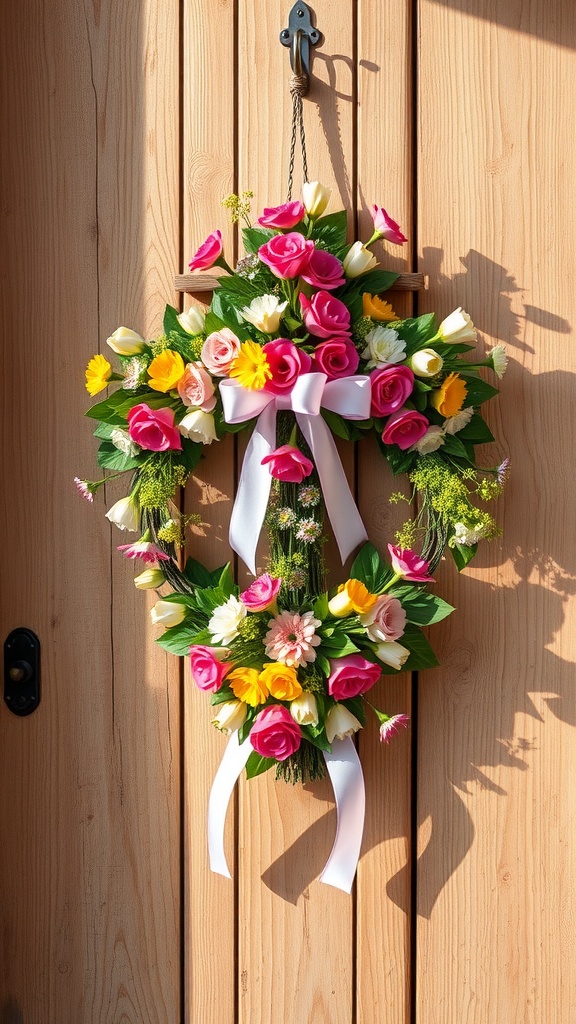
(196, 283)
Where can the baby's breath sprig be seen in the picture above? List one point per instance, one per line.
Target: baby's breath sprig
(239, 206)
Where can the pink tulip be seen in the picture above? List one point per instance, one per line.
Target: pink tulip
(287, 215)
(208, 253)
(409, 565)
(386, 227)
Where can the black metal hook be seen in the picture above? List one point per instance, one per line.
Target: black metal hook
(300, 36)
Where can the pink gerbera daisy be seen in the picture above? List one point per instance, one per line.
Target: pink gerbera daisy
(391, 726)
(291, 638)
(144, 549)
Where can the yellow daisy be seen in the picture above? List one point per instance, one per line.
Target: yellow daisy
(449, 399)
(97, 374)
(377, 309)
(250, 367)
(166, 370)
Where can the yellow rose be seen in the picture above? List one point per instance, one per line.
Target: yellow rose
(166, 370)
(377, 309)
(247, 686)
(352, 596)
(281, 681)
(449, 399)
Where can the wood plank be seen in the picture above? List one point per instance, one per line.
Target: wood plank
(296, 935)
(89, 784)
(199, 283)
(209, 175)
(497, 866)
(385, 177)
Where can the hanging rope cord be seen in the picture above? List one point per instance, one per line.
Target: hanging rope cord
(298, 86)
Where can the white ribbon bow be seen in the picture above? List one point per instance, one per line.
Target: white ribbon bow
(347, 780)
(348, 396)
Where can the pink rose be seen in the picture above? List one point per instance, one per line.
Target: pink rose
(286, 362)
(208, 253)
(385, 620)
(386, 227)
(336, 358)
(351, 675)
(391, 387)
(288, 464)
(404, 428)
(325, 316)
(275, 733)
(287, 215)
(261, 594)
(196, 388)
(408, 564)
(219, 351)
(323, 270)
(153, 429)
(286, 255)
(207, 670)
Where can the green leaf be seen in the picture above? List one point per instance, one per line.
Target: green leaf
(453, 446)
(421, 653)
(257, 765)
(190, 455)
(104, 431)
(322, 663)
(177, 639)
(417, 332)
(398, 460)
(462, 554)
(332, 230)
(226, 582)
(476, 431)
(111, 458)
(337, 424)
(115, 409)
(421, 607)
(376, 281)
(320, 607)
(337, 646)
(370, 569)
(197, 574)
(221, 696)
(477, 390)
(255, 237)
(171, 323)
(317, 737)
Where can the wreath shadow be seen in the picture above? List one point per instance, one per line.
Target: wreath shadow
(475, 706)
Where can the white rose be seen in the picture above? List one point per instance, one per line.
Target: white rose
(432, 440)
(126, 342)
(198, 426)
(457, 327)
(167, 613)
(150, 579)
(226, 619)
(358, 260)
(231, 714)
(304, 709)
(265, 313)
(125, 514)
(384, 346)
(192, 322)
(123, 442)
(425, 363)
(393, 654)
(340, 723)
(315, 197)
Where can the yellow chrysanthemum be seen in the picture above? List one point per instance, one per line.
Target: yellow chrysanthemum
(449, 399)
(247, 686)
(352, 596)
(97, 374)
(251, 368)
(281, 681)
(166, 370)
(377, 309)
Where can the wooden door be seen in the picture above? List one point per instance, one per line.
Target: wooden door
(123, 127)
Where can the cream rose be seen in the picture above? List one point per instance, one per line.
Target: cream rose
(198, 426)
(219, 351)
(196, 387)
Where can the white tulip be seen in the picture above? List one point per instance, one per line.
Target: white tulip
(231, 714)
(126, 342)
(150, 579)
(198, 426)
(457, 327)
(304, 709)
(392, 654)
(167, 613)
(192, 321)
(340, 723)
(316, 198)
(358, 260)
(125, 514)
(425, 363)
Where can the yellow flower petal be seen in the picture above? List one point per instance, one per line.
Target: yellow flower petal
(97, 374)
(449, 398)
(251, 368)
(281, 681)
(352, 596)
(377, 309)
(166, 370)
(247, 686)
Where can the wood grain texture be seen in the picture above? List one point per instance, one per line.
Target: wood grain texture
(497, 866)
(296, 935)
(206, 283)
(385, 132)
(89, 785)
(209, 92)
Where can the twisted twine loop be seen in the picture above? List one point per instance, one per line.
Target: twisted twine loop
(298, 89)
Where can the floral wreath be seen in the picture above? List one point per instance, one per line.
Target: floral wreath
(298, 346)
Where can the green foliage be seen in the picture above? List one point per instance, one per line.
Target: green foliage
(257, 765)
(370, 569)
(421, 607)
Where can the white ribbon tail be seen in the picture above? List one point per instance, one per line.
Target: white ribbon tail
(346, 776)
(349, 530)
(229, 771)
(253, 489)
